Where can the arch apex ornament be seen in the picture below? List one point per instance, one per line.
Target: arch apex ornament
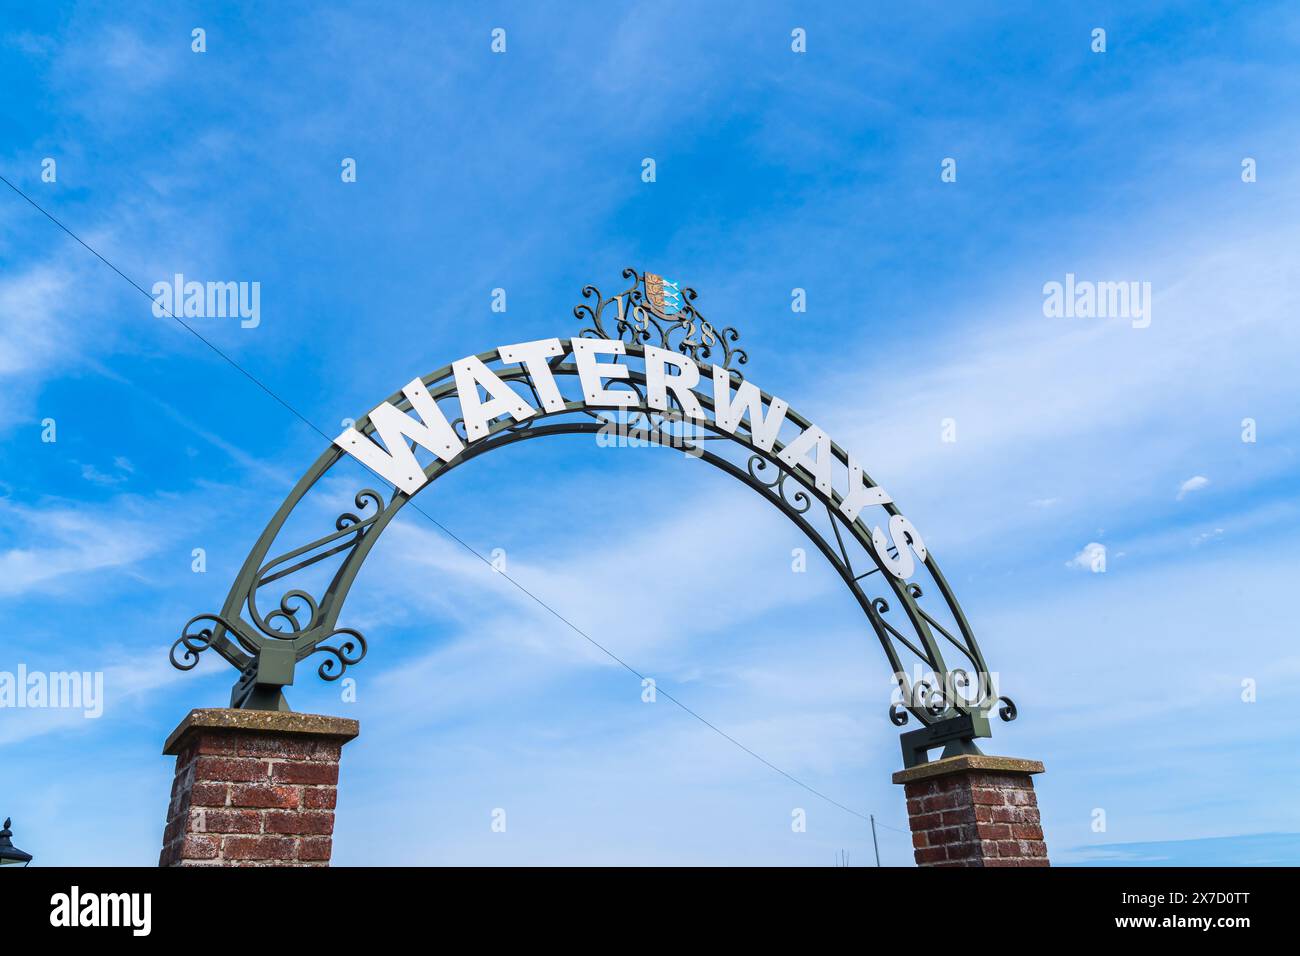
(646, 368)
(659, 311)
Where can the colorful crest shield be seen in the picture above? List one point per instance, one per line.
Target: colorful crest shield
(663, 295)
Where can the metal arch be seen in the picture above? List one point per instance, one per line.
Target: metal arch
(265, 646)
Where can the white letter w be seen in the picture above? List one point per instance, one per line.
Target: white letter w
(393, 427)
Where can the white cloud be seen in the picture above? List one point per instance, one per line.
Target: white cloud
(1091, 558)
(1195, 483)
(45, 310)
(57, 541)
(106, 479)
(31, 303)
(1039, 403)
(591, 579)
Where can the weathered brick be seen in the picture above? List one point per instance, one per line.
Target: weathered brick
(315, 848)
(959, 816)
(984, 818)
(232, 821)
(257, 848)
(230, 769)
(965, 833)
(326, 750)
(263, 795)
(921, 788)
(927, 821)
(209, 794)
(216, 742)
(935, 854)
(182, 782)
(995, 831)
(312, 772)
(963, 850)
(319, 798)
(197, 846)
(940, 801)
(243, 797)
(278, 748)
(299, 822)
(1006, 814)
(1026, 831)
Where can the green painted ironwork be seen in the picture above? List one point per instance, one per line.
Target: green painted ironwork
(265, 646)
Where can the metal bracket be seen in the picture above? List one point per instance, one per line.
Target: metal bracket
(956, 735)
(261, 684)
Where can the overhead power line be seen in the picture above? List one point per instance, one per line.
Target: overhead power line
(438, 524)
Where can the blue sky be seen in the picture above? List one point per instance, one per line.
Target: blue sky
(775, 170)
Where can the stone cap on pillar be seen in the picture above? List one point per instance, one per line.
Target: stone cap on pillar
(965, 762)
(318, 726)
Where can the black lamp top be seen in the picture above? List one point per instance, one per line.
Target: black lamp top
(9, 852)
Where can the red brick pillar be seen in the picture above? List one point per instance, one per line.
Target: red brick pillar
(974, 810)
(253, 788)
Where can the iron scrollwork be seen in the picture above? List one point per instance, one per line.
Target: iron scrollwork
(799, 501)
(642, 315)
(265, 647)
(951, 704)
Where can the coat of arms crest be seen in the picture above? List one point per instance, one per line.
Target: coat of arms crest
(663, 295)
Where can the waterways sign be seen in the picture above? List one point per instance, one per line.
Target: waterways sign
(649, 364)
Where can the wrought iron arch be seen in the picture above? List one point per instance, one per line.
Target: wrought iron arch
(909, 621)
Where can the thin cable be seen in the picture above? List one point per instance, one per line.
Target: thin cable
(438, 524)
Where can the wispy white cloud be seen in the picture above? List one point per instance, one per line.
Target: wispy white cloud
(1191, 485)
(59, 542)
(1205, 536)
(1092, 557)
(122, 471)
(1038, 406)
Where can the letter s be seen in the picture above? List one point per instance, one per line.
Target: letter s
(904, 534)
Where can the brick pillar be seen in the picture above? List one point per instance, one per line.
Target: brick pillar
(974, 810)
(253, 788)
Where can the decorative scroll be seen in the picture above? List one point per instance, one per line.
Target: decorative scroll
(343, 656)
(297, 622)
(798, 501)
(194, 642)
(349, 529)
(264, 636)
